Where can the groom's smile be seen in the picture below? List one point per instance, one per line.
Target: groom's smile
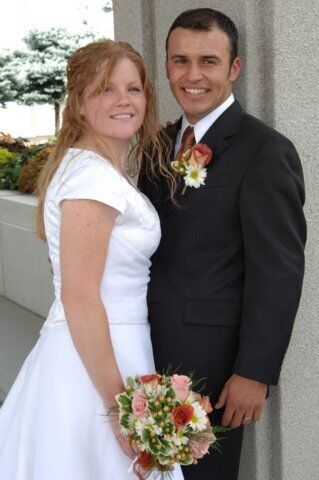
(199, 70)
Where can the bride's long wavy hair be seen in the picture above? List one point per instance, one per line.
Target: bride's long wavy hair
(83, 67)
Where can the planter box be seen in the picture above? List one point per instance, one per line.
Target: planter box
(25, 276)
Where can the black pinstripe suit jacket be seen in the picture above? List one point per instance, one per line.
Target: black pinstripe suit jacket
(227, 276)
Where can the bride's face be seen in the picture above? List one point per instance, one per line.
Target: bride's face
(118, 111)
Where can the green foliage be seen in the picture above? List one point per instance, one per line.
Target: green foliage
(10, 169)
(48, 53)
(20, 164)
(37, 74)
(125, 403)
(124, 422)
(108, 7)
(8, 82)
(31, 169)
(6, 156)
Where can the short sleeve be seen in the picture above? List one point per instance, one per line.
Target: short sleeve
(90, 179)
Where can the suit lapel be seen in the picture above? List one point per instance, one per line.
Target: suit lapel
(217, 137)
(172, 132)
(219, 134)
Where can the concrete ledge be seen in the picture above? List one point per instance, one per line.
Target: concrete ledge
(25, 276)
(19, 330)
(18, 209)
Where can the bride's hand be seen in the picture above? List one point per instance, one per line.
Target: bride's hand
(122, 439)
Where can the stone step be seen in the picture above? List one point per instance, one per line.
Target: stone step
(19, 331)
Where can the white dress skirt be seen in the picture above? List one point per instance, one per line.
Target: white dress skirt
(53, 424)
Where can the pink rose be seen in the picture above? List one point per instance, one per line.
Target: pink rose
(181, 384)
(199, 448)
(139, 404)
(200, 154)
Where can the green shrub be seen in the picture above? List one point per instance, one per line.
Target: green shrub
(36, 158)
(21, 163)
(10, 169)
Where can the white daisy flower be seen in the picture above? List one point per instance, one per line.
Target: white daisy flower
(153, 390)
(179, 438)
(142, 423)
(199, 419)
(195, 176)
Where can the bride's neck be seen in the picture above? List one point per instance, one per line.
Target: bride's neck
(114, 149)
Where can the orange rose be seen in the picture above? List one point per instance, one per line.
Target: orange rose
(145, 460)
(153, 377)
(200, 154)
(182, 415)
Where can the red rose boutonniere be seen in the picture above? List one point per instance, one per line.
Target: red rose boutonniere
(192, 165)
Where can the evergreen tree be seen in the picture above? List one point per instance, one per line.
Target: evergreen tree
(9, 84)
(37, 75)
(108, 7)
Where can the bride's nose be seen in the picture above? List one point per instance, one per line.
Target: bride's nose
(123, 98)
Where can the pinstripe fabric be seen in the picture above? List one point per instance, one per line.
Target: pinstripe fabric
(227, 276)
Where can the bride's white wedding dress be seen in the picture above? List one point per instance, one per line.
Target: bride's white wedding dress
(53, 424)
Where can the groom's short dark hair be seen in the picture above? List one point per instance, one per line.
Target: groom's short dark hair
(205, 19)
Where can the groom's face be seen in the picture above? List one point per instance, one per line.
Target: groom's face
(199, 70)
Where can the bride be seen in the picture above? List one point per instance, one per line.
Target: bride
(101, 232)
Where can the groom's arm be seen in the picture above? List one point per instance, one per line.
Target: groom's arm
(274, 235)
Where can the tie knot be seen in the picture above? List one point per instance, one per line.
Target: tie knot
(188, 138)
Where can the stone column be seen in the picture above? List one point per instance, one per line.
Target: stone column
(279, 84)
(296, 114)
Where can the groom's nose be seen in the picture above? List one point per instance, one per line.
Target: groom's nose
(194, 72)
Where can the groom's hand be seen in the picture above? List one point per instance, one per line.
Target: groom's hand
(244, 400)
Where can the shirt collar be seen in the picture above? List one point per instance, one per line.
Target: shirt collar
(201, 127)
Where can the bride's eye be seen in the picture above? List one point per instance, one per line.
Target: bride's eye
(107, 90)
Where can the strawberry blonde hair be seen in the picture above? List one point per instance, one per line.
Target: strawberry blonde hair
(83, 67)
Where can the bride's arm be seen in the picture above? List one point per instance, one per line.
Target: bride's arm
(86, 227)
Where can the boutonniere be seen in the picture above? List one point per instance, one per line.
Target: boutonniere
(192, 165)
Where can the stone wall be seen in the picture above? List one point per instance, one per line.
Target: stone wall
(279, 84)
(25, 276)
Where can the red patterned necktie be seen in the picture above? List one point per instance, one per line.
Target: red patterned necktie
(188, 140)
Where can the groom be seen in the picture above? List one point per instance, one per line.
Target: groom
(227, 276)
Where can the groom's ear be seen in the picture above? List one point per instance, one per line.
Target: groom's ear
(235, 69)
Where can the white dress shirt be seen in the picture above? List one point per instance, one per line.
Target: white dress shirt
(201, 127)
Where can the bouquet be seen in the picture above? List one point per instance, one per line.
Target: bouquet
(167, 422)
